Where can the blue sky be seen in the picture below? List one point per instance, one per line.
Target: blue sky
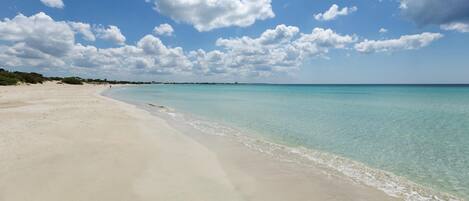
(280, 41)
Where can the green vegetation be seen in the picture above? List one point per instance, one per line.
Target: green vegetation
(31, 78)
(72, 80)
(13, 78)
(7, 80)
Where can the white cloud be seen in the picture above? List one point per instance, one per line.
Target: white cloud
(277, 50)
(383, 30)
(456, 26)
(112, 33)
(39, 41)
(209, 63)
(84, 29)
(271, 52)
(53, 3)
(163, 30)
(37, 35)
(406, 42)
(321, 40)
(334, 12)
(206, 15)
(150, 55)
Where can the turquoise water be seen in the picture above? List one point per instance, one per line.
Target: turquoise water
(417, 132)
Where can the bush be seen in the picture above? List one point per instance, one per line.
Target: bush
(31, 78)
(55, 78)
(7, 78)
(11, 78)
(72, 80)
(4, 80)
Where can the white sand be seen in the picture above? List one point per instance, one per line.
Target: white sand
(62, 142)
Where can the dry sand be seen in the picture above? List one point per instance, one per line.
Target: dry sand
(62, 142)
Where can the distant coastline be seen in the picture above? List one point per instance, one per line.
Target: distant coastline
(15, 77)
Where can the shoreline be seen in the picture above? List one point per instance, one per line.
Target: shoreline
(71, 142)
(330, 164)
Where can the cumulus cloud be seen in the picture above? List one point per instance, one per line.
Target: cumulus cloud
(39, 41)
(83, 29)
(36, 35)
(334, 12)
(149, 55)
(168, 60)
(271, 52)
(112, 33)
(319, 41)
(450, 14)
(282, 49)
(456, 26)
(53, 3)
(383, 30)
(406, 42)
(206, 15)
(163, 30)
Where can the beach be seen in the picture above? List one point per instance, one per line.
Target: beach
(64, 142)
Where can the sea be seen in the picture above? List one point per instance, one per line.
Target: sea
(410, 141)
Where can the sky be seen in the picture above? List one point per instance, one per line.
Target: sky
(272, 41)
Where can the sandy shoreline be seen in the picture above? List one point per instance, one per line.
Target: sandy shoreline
(62, 142)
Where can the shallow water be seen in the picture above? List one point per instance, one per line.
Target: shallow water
(417, 132)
